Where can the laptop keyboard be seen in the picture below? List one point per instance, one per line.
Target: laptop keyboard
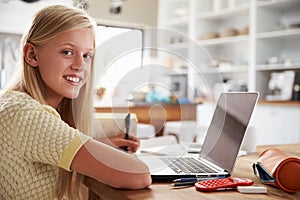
(187, 165)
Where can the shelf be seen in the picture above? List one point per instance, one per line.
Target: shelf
(224, 13)
(278, 3)
(282, 33)
(224, 40)
(233, 69)
(267, 67)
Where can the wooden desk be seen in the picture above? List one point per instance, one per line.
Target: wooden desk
(156, 114)
(243, 168)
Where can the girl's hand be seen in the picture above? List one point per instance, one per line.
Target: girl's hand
(119, 141)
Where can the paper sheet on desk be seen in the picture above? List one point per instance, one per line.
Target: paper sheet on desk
(162, 146)
(158, 141)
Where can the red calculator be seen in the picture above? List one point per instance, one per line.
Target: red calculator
(222, 183)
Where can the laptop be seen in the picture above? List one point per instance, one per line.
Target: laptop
(220, 147)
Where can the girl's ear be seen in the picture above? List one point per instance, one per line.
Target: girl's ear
(29, 52)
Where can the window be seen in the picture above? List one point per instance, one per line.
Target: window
(119, 52)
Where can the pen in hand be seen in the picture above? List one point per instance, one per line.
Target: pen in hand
(127, 127)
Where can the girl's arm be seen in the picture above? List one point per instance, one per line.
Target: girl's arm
(111, 166)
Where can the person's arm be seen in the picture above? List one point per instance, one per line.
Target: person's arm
(44, 138)
(111, 166)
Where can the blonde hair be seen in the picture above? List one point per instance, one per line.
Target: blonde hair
(47, 24)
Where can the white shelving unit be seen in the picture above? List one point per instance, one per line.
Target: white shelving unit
(277, 38)
(261, 29)
(270, 35)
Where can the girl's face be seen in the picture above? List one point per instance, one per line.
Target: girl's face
(65, 63)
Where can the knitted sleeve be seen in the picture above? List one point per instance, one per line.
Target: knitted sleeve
(44, 137)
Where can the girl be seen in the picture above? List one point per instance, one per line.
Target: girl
(46, 116)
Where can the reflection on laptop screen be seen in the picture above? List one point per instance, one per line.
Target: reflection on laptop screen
(226, 131)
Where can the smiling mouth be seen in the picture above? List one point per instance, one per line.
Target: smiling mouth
(72, 79)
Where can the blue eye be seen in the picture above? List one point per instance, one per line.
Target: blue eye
(88, 56)
(67, 53)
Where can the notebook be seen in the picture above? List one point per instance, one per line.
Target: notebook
(221, 144)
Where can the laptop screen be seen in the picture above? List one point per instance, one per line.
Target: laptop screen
(227, 128)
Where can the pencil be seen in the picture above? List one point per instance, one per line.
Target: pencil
(127, 126)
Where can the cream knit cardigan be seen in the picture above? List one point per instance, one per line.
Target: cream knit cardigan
(34, 143)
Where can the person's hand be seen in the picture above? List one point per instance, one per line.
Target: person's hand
(119, 140)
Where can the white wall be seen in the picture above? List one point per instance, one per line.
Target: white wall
(133, 11)
(16, 14)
